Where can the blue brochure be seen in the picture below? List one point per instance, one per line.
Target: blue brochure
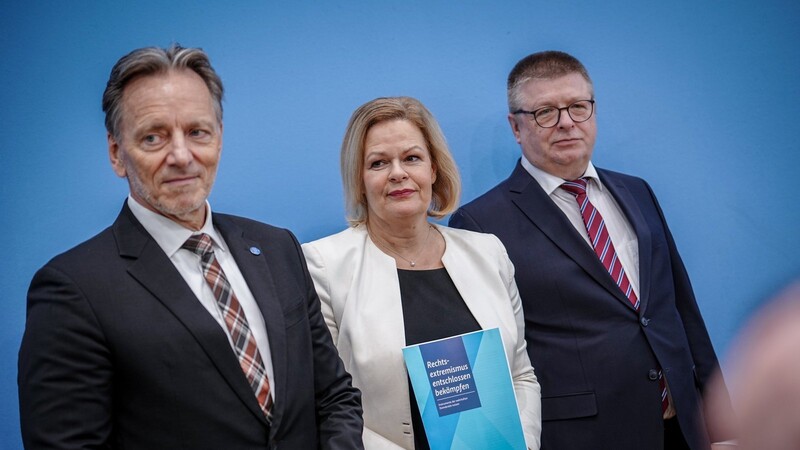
(465, 394)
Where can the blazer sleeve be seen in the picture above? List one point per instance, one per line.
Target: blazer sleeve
(703, 354)
(375, 441)
(318, 267)
(462, 219)
(526, 386)
(65, 371)
(339, 412)
(705, 358)
(319, 273)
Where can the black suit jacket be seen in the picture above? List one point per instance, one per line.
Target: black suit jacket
(595, 356)
(119, 353)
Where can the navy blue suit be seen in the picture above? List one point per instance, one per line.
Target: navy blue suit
(595, 355)
(119, 353)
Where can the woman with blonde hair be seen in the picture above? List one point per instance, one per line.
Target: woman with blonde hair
(394, 279)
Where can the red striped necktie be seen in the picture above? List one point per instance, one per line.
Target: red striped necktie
(604, 249)
(601, 241)
(244, 343)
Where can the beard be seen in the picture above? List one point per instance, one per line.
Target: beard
(183, 204)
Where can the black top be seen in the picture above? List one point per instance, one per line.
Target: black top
(432, 309)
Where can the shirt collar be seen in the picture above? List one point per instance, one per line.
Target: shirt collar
(170, 235)
(550, 182)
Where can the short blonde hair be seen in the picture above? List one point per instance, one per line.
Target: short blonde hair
(447, 187)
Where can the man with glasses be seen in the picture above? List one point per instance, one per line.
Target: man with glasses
(612, 325)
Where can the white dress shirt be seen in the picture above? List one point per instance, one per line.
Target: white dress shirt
(171, 236)
(619, 229)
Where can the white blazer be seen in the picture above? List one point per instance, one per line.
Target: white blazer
(360, 293)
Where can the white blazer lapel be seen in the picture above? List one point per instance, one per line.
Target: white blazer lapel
(475, 278)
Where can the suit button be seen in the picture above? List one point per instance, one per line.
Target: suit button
(652, 374)
(645, 321)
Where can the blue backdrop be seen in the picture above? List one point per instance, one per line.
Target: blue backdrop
(699, 98)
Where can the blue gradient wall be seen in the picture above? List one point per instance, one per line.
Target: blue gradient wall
(699, 98)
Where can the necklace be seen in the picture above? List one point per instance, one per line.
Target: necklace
(411, 262)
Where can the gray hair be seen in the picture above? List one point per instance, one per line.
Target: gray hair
(151, 61)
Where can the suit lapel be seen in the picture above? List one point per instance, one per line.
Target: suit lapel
(251, 259)
(466, 277)
(637, 220)
(157, 274)
(531, 199)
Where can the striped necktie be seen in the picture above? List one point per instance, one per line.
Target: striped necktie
(601, 241)
(244, 343)
(604, 249)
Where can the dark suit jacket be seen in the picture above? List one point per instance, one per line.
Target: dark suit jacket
(119, 353)
(594, 355)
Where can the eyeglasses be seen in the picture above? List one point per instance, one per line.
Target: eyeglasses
(549, 116)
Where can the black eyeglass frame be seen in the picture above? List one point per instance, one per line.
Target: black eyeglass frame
(533, 113)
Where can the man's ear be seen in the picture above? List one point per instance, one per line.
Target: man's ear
(115, 157)
(512, 120)
(221, 133)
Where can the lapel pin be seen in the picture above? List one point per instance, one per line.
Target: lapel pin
(255, 250)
